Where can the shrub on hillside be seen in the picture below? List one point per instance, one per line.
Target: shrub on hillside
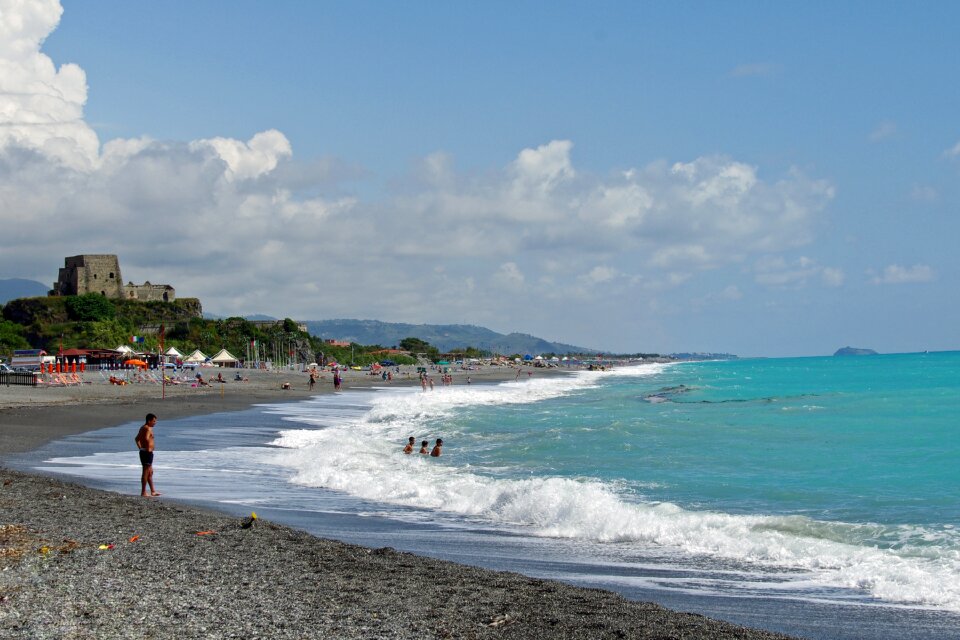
(11, 337)
(90, 307)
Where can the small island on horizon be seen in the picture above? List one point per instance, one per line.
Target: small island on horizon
(854, 351)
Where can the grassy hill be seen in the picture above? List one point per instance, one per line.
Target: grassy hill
(92, 321)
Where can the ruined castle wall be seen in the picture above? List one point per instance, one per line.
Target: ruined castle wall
(149, 292)
(90, 274)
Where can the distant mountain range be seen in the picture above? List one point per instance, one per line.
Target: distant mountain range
(444, 337)
(13, 288)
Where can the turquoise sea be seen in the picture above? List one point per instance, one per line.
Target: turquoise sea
(745, 489)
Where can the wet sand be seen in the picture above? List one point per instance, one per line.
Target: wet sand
(76, 562)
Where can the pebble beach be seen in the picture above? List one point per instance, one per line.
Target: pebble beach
(77, 562)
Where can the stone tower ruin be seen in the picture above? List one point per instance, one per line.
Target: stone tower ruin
(90, 274)
(100, 273)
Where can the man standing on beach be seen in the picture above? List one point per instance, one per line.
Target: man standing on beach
(144, 442)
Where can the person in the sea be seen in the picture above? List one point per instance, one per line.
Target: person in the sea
(313, 380)
(144, 440)
(425, 447)
(436, 448)
(410, 444)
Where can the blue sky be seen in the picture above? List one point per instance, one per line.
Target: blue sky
(758, 178)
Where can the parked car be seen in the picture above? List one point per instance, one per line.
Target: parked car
(5, 368)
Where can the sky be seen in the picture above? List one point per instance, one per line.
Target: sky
(757, 178)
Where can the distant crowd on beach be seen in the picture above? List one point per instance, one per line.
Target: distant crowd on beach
(424, 447)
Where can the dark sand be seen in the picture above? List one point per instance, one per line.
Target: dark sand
(264, 581)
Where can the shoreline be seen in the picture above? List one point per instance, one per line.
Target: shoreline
(265, 579)
(31, 416)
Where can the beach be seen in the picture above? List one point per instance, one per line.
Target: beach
(82, 563)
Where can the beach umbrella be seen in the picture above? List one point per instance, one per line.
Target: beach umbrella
(136, 363)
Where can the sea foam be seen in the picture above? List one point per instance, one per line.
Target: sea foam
(354, 449)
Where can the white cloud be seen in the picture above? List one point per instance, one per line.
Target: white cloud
(540, 170)
(599, 275)
(953, 151)
(251, 159)
(832, 277)
(884, 130)
(924, 193)
(509, 276)
(730, 293)
(245, 225)
(41, 106)
(896, 274)
(775, 271)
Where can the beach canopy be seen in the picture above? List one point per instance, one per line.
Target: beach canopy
(196, 356)
(124, 349)
(225, 357)
(172, 352)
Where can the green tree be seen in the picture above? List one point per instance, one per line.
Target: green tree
(90, 307)
(415, 345)
(11, 337)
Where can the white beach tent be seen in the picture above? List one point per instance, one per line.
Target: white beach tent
(124, 349)
(224, 357)
(196, 356)
(173, 353)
